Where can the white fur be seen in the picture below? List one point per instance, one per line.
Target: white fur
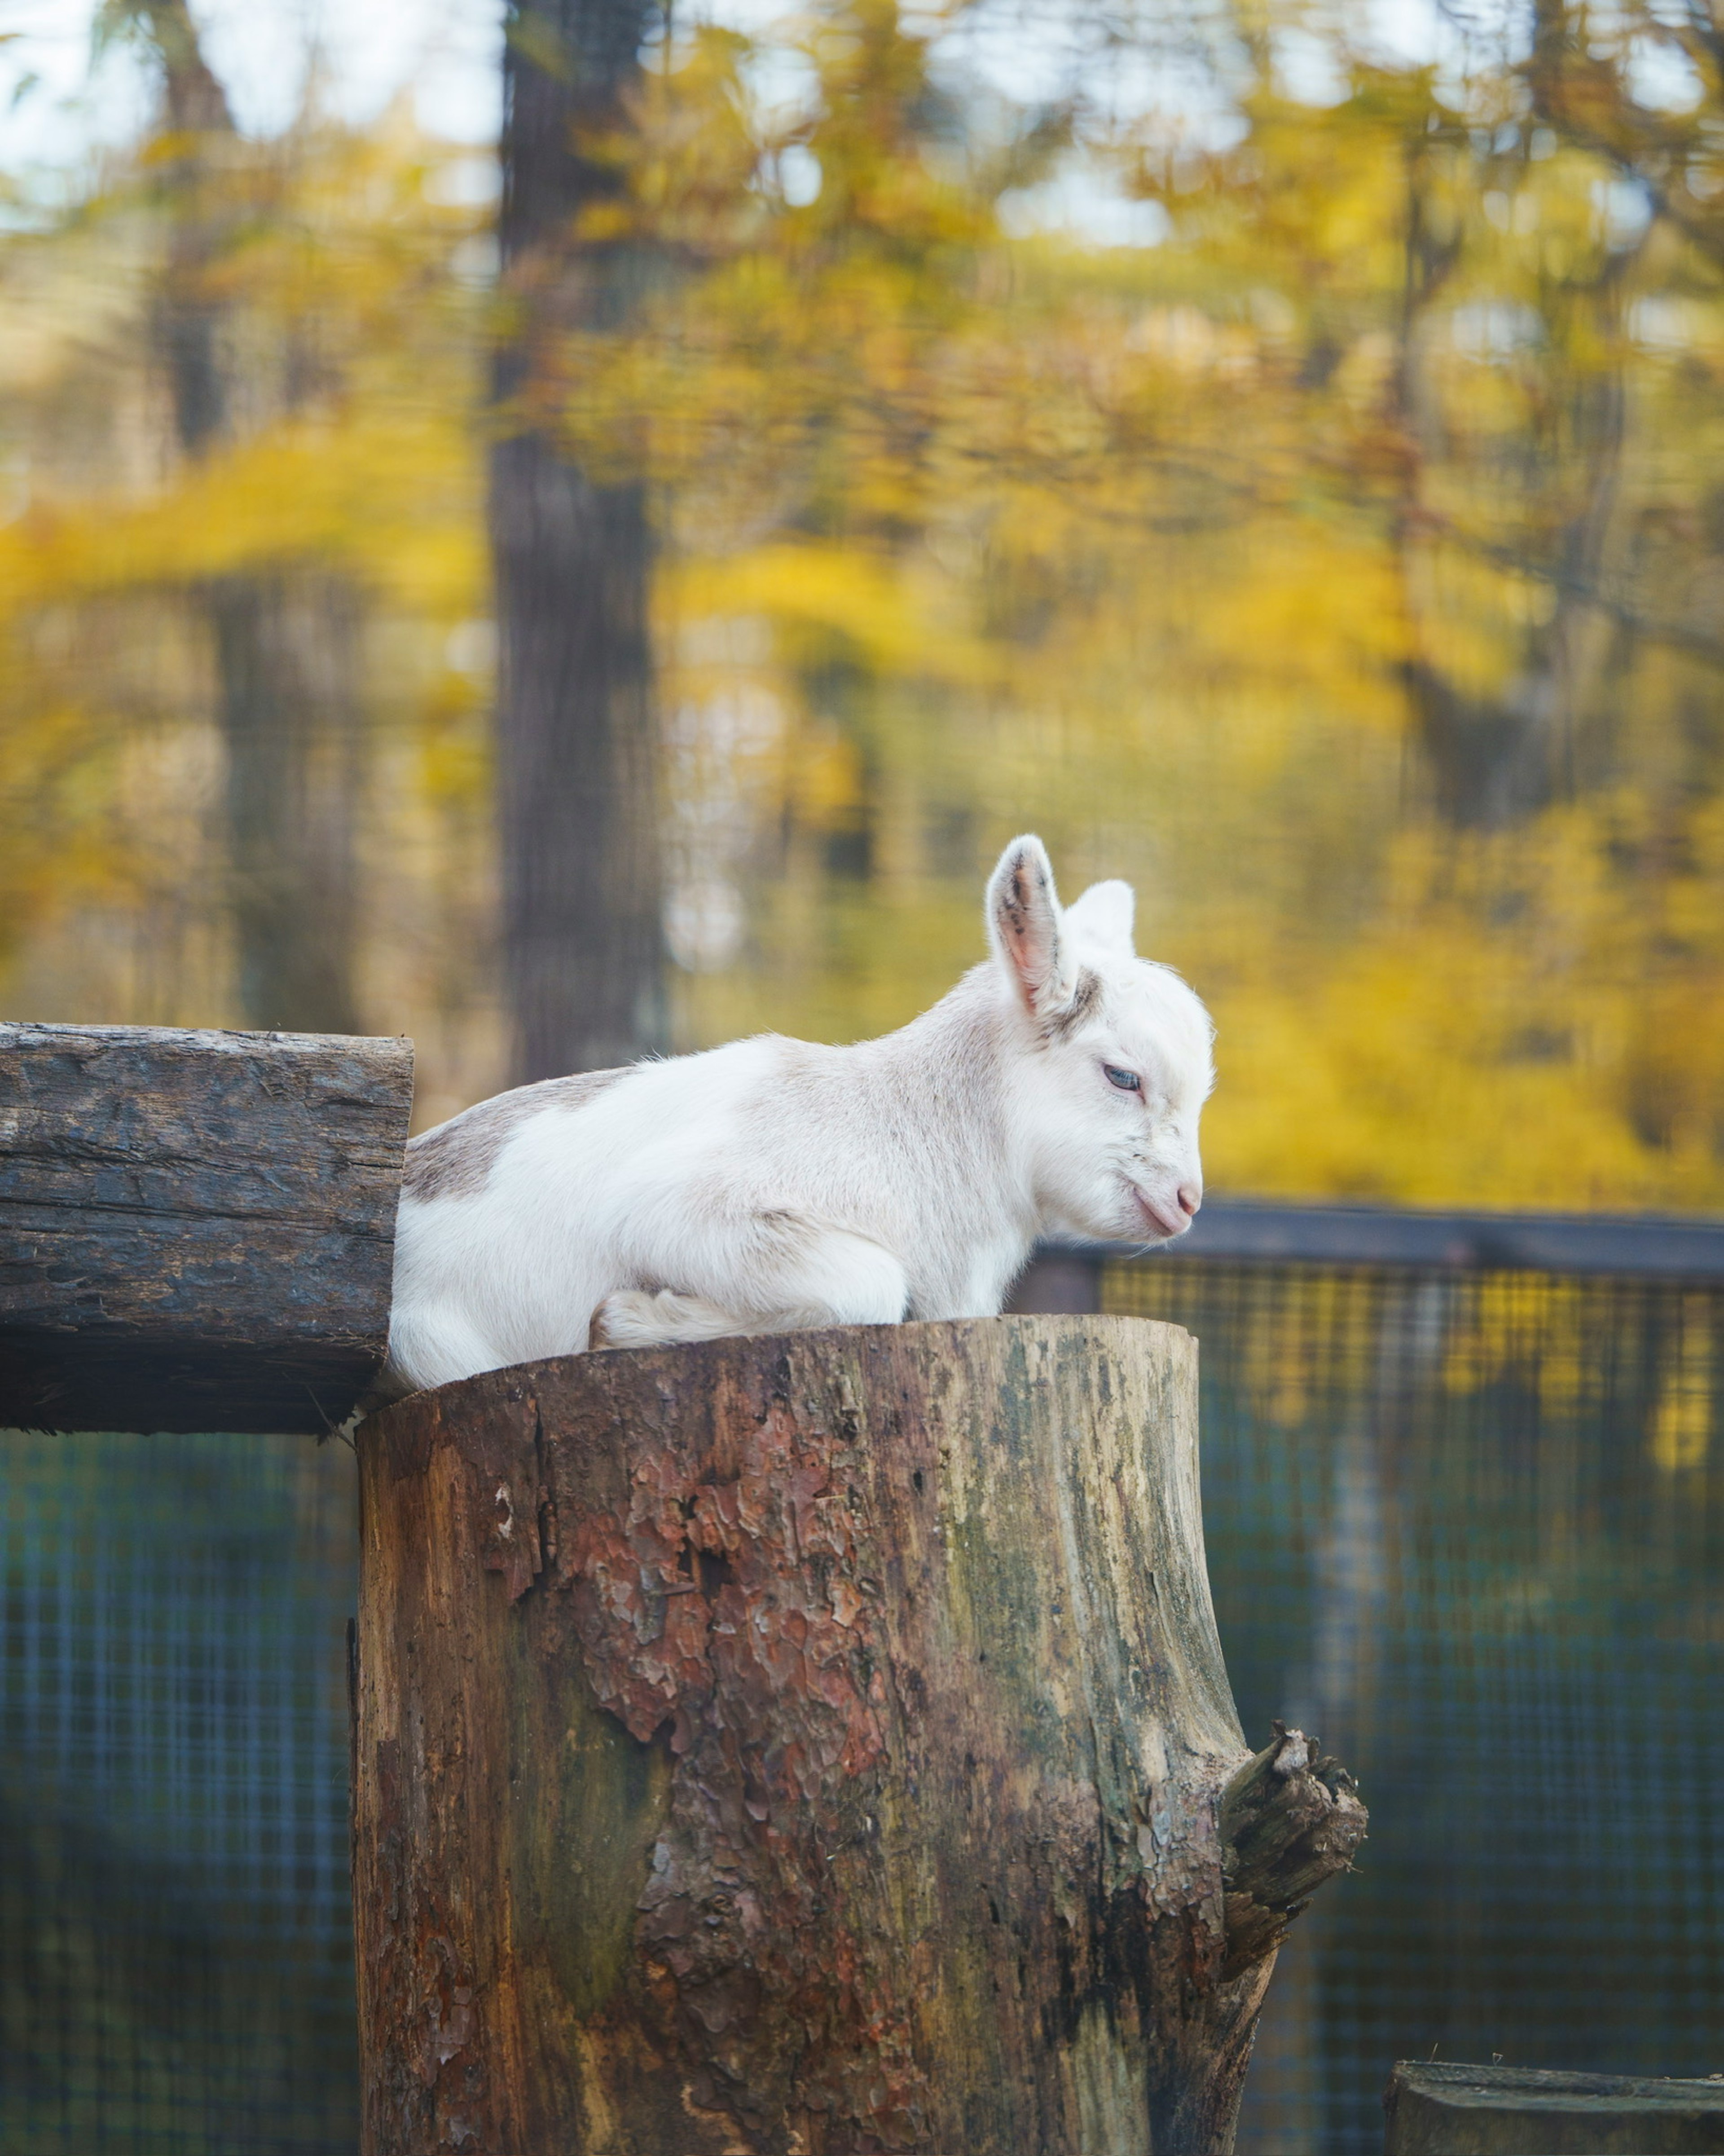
(773, 1184)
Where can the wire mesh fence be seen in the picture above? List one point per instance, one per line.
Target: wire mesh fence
(175, 1924)
(1465, 1526)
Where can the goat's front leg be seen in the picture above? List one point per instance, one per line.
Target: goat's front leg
(789, 1276)
(639, 1317)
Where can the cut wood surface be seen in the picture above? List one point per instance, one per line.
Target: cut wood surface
(803, 1743)
(197, 1229)
(1443, 2110)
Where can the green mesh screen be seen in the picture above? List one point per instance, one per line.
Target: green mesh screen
(1466, 1528)
(176, 1973)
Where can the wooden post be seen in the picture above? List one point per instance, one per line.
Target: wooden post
(814, 1744)
(1515, 2111)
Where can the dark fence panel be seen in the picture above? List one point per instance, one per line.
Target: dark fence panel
(1467, 1528)
(1465, 1524)
(175, 1973)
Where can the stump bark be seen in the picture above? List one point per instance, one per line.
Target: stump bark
(811, 1745)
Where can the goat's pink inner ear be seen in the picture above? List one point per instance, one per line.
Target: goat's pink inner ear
(1023, 922)
(1028, 928)
(1028, 912)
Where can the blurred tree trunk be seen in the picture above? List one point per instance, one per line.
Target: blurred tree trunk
(287, 654)
(576, 779)
(286, 644)
(1498, 758)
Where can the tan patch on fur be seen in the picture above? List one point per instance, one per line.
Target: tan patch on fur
(455, 1160)
(1085, 998)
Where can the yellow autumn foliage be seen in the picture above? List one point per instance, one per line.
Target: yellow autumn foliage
(969, 525)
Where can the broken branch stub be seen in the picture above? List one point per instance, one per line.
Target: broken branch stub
(1290, 1820)
(810, 1745)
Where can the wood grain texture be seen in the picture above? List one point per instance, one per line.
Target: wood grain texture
(197, 1228)
(807, 1745)
(1442, 2110)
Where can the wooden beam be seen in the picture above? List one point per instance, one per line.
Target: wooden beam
(1515, 2110)
(197, 1228)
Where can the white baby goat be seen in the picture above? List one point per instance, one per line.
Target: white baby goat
(773, 1184)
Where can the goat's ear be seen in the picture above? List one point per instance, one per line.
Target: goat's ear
(1103, 916)
(1023, 927)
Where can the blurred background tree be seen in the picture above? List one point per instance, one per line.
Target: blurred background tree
(282, 636)
(576, 734)
(1280, 463)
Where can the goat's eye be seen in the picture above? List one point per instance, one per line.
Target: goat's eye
(1128, 1081)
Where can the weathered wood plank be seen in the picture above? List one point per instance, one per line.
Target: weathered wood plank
(809, 1743)
(1507, 2111)
(197, 1228)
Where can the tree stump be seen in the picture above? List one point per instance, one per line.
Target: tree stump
(816, 1744)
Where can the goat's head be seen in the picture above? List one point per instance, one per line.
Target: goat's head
(1111, 1062)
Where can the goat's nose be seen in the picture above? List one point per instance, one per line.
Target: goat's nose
(1191, 1196)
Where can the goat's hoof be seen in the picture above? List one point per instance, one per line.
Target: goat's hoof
(626, 1319)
